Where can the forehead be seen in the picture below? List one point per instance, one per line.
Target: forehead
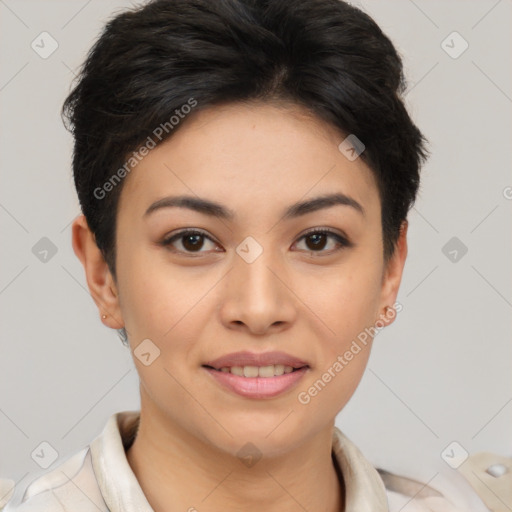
(250, 157)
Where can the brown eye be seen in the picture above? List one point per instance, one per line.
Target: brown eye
(318, 239)
(191, 241)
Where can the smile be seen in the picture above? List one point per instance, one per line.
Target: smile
(272, 370)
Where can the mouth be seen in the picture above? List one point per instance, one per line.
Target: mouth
(257, 376)
(265, 372)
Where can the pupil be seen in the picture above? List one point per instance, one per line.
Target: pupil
(194, 245)
(317, 239)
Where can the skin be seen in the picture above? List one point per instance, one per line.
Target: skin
(256, 159)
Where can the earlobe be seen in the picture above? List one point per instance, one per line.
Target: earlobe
(99, 278)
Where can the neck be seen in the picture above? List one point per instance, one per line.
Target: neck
(178, 471)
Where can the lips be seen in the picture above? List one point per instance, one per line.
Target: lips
(257, 376)
(248, 359)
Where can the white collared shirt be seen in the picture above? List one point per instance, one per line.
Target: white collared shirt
(99, 479)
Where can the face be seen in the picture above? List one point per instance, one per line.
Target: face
(201, 286)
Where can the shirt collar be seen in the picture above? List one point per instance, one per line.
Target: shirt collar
(364, 489)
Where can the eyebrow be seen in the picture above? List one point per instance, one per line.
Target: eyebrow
(217, 210)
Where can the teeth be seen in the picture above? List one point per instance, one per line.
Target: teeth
(237, 370)
(250, 371)
(278, 369)
(272, 370)
(266, 371)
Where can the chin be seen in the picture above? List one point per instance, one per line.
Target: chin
(267, 434)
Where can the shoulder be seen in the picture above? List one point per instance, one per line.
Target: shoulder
(446, 491)
(71, 486)
(404, 493)
(6, 491)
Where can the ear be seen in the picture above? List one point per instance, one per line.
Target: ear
(99, 278)
(392, 277)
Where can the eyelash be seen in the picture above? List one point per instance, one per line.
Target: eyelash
(341, 240)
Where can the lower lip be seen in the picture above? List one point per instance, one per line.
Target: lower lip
(257, 387)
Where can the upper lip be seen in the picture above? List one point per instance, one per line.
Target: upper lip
(255, 359)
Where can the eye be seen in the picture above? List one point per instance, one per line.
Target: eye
(191, 240)
(317, 239)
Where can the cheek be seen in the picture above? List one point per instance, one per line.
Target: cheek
(347, 311)
(345, 300)
(143, 297)
(164, 305)
(167, 304)
(341, 358)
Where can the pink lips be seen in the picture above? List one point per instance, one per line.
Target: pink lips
(254, 359)
(257, 387)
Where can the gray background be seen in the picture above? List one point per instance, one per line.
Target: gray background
(441, 372)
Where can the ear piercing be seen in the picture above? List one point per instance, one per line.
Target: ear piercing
(103, 316)
(386, 314)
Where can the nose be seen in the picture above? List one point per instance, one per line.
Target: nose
(257, 296)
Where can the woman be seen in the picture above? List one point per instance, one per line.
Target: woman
(244, 169)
